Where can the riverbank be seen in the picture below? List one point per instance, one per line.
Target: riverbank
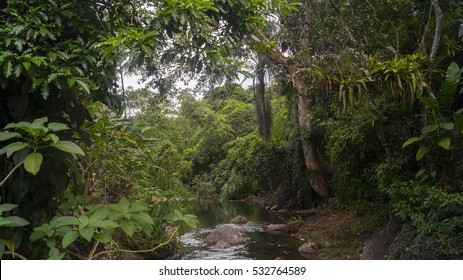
(338, 233)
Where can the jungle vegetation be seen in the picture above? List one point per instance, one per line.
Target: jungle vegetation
(357, 104)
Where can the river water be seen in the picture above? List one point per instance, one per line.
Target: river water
(260, 244)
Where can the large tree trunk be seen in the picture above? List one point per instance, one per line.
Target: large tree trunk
(263, 112)
(313, 159)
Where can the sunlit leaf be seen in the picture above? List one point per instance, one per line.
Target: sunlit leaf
(69, 238)
(33, 162)
(69, 147)
(14, 147)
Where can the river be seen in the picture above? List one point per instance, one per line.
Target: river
(260, 245)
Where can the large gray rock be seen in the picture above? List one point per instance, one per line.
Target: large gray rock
(239, 220)
(276, 227)
(225, 236)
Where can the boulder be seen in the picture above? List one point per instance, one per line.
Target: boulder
(308, 248)
(239, 220)
(276, 227)
(225, 236)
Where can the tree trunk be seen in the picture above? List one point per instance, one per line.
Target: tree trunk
(313, 159)
(263, 112)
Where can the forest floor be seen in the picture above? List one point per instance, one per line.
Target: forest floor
(338, 233)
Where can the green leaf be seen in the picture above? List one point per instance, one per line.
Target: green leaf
(33, 162)
(138, 207)
(51, 137)
(448, 126)
(64, 221)
(128, 227)
(3, 222)
(143, 218)
(83, 220)
(69, 147)
(87, 233)
(411, 141)
(16, 221)
(54, 126)
(14, 147)
(104, 224)
(40, 232)
(6, 135)
(102, 237)
(54, 254)
(69, 238)
(98, 215)
(39, 122)
(84, 86)
(444, 143)
(422, 151)
(420, 172)
(7, 207)
(8, 69)
(459, 124)
(429, 128)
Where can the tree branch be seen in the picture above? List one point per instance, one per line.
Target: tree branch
(11, 173)
(344, 25)
(438, 30)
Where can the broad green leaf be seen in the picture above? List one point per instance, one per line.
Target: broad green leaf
(87, 233)
(6, 135)
(83, 220)
(14, 147)
(7, 207)
(33, 162)
(143, 218)
(21, 125)
(98, 215)
(411, 141)
(41, 231)
(3, 222)
(102, 238)
(459, 124)
(8, 69)
(429, 128)
(84, 86)
(105, 224)
(69, 147)
(54, 254)
(138, 207)
(422, 151)
(64, 221)
(420, 172)
(69, 238)
(444, 143)
(54, 126)
(39, 122)
(16, 221)
(51, 137)
(448, 126)
(178, 213)
(128, 227)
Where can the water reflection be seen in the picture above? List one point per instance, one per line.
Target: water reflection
(260, 245)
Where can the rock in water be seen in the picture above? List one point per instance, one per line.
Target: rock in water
(239, 220)
(225, 236)
(276, 227)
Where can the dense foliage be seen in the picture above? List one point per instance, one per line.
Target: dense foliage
(358, 104)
